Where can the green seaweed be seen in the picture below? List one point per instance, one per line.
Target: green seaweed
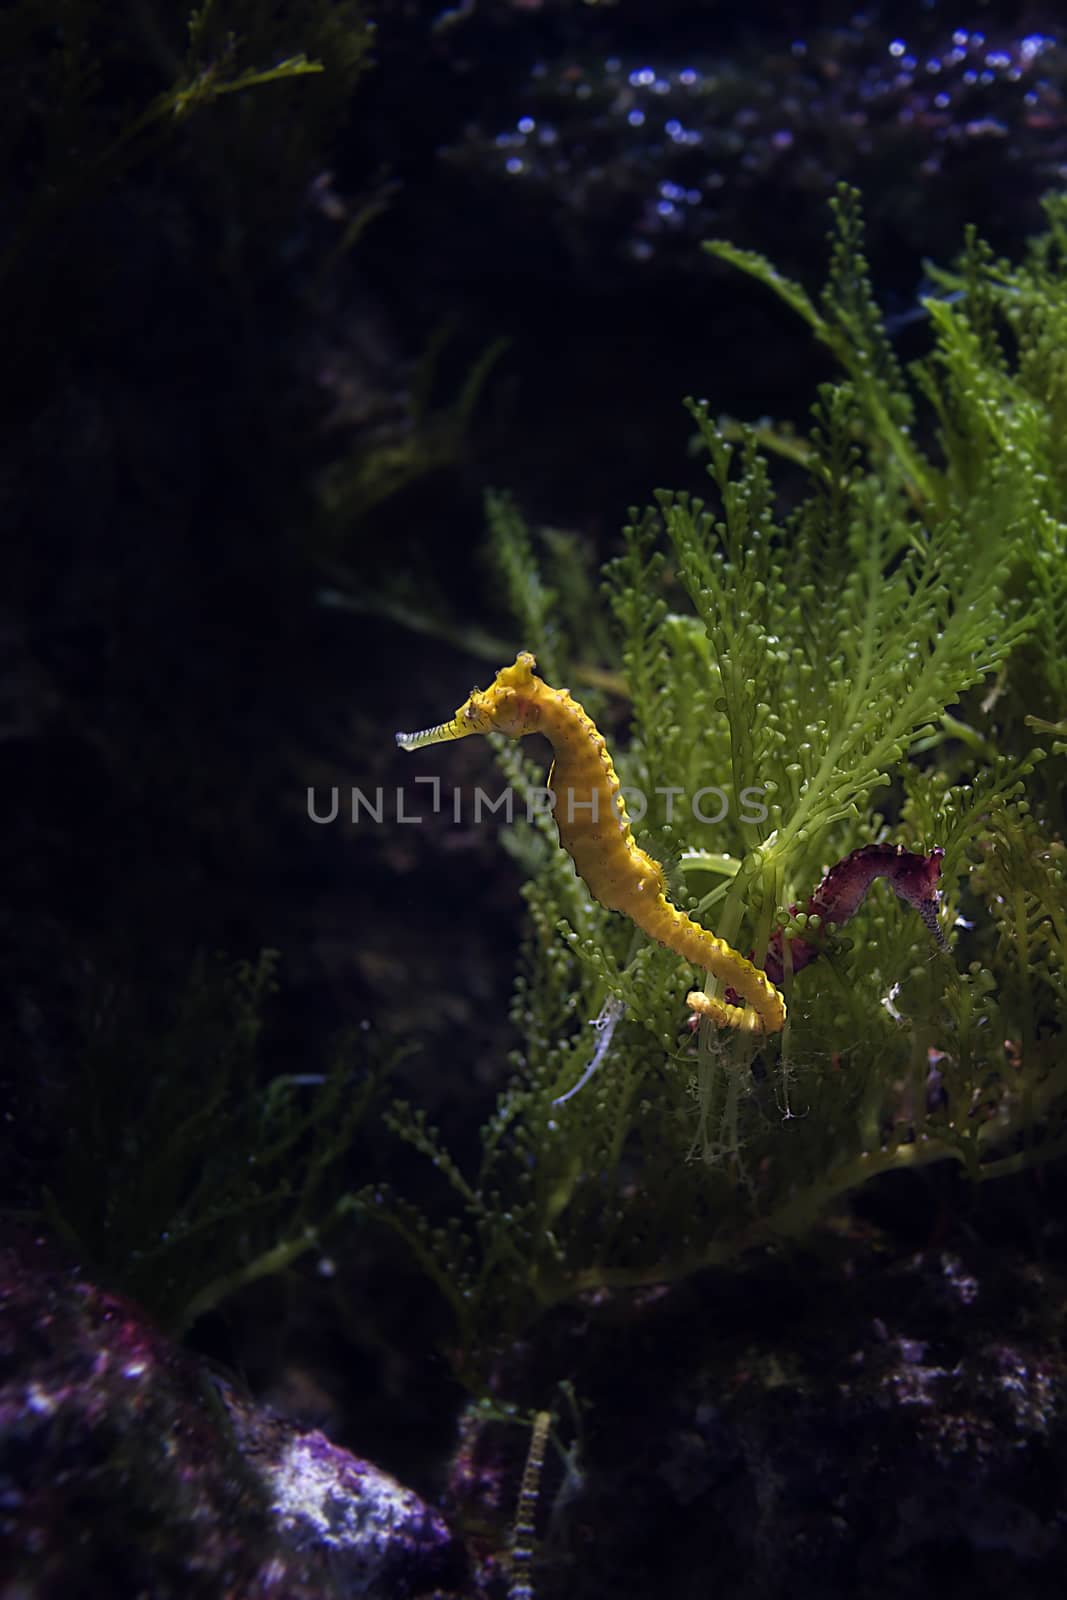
(186, 1169)
(872, 660)
(384, 461)
(87, 95)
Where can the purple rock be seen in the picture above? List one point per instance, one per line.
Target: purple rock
(127, 1469)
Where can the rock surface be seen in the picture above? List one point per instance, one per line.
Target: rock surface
(126, 1469)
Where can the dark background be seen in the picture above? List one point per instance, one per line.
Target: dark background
(230, 452)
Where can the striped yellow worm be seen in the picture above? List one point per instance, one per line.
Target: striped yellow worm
(524, 1532)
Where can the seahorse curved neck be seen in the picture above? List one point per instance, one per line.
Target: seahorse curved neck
(590, 811)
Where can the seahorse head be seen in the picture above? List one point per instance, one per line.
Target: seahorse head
(510, 706)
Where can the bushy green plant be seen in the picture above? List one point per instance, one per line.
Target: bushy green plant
(88, 93)
(868, 658)
(186, 1170)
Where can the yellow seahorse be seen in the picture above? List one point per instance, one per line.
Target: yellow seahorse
(594, 829)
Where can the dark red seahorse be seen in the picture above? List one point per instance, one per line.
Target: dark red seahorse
(841, 893)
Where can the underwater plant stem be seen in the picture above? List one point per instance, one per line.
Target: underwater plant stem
(264, 1266)
(1024, 956)
(790, 1221)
